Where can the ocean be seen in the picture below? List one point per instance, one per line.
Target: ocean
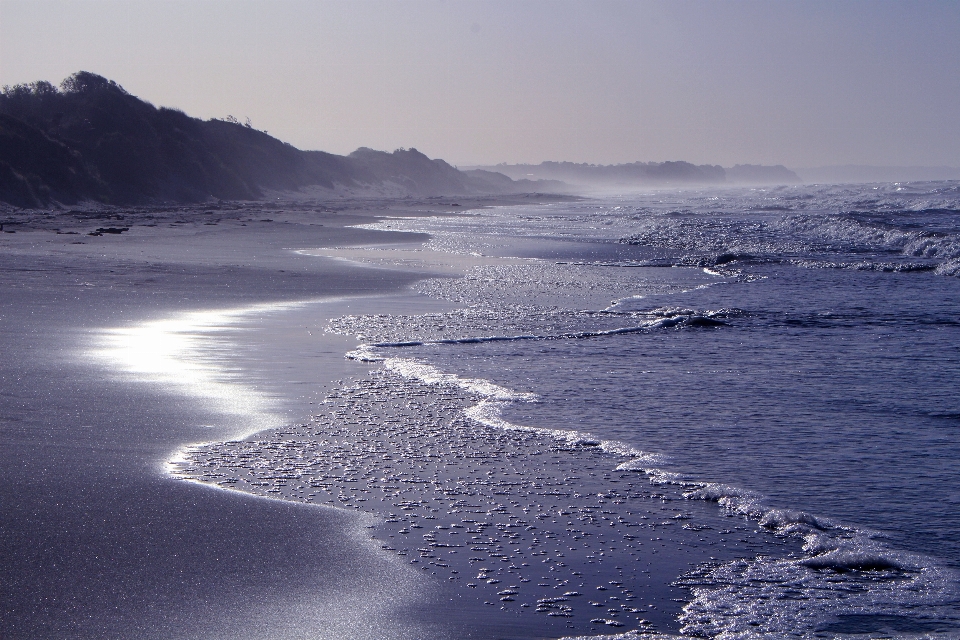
(719, 412)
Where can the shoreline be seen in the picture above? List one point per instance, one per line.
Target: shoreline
(533, 522)
(276, 464)
(76, 437)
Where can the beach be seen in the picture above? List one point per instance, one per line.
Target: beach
(659, 414)
(98, 540)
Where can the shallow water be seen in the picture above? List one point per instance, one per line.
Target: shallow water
(770, 373)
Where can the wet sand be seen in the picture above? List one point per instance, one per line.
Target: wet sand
(310, 495)
(97, 540)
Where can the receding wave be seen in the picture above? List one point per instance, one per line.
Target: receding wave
(525, 514)
(455, 327)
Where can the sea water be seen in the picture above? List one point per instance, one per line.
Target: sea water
(765, 379)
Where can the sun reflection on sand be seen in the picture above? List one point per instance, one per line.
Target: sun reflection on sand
(197, 355)
(193, 354)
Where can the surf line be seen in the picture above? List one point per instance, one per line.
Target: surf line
(827, 544)
(364, 354)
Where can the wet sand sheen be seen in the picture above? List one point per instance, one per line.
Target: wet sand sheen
(98, 541)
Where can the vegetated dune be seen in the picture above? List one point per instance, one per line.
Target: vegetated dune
(91, 140)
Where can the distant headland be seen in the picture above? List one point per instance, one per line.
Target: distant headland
(648, 174)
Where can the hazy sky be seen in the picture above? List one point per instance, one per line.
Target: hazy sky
(798, 83)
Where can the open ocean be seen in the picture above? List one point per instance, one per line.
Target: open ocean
(701, 412)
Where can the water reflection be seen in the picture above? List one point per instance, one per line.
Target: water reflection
(194, 354)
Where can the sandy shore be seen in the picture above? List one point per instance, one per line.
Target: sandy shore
(98, 541)
(187, 453)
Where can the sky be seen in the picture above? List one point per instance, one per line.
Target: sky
(802, 84)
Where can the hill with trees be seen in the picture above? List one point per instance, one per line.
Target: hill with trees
(90, 140)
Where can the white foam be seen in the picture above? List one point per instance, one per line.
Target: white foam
(493, 399)
(790, 519)
(779, 590)
(433, 376)
(754, 598)
(630, 635)
(949, 268)
(763, 596)
(365, 353)
(735, 499)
